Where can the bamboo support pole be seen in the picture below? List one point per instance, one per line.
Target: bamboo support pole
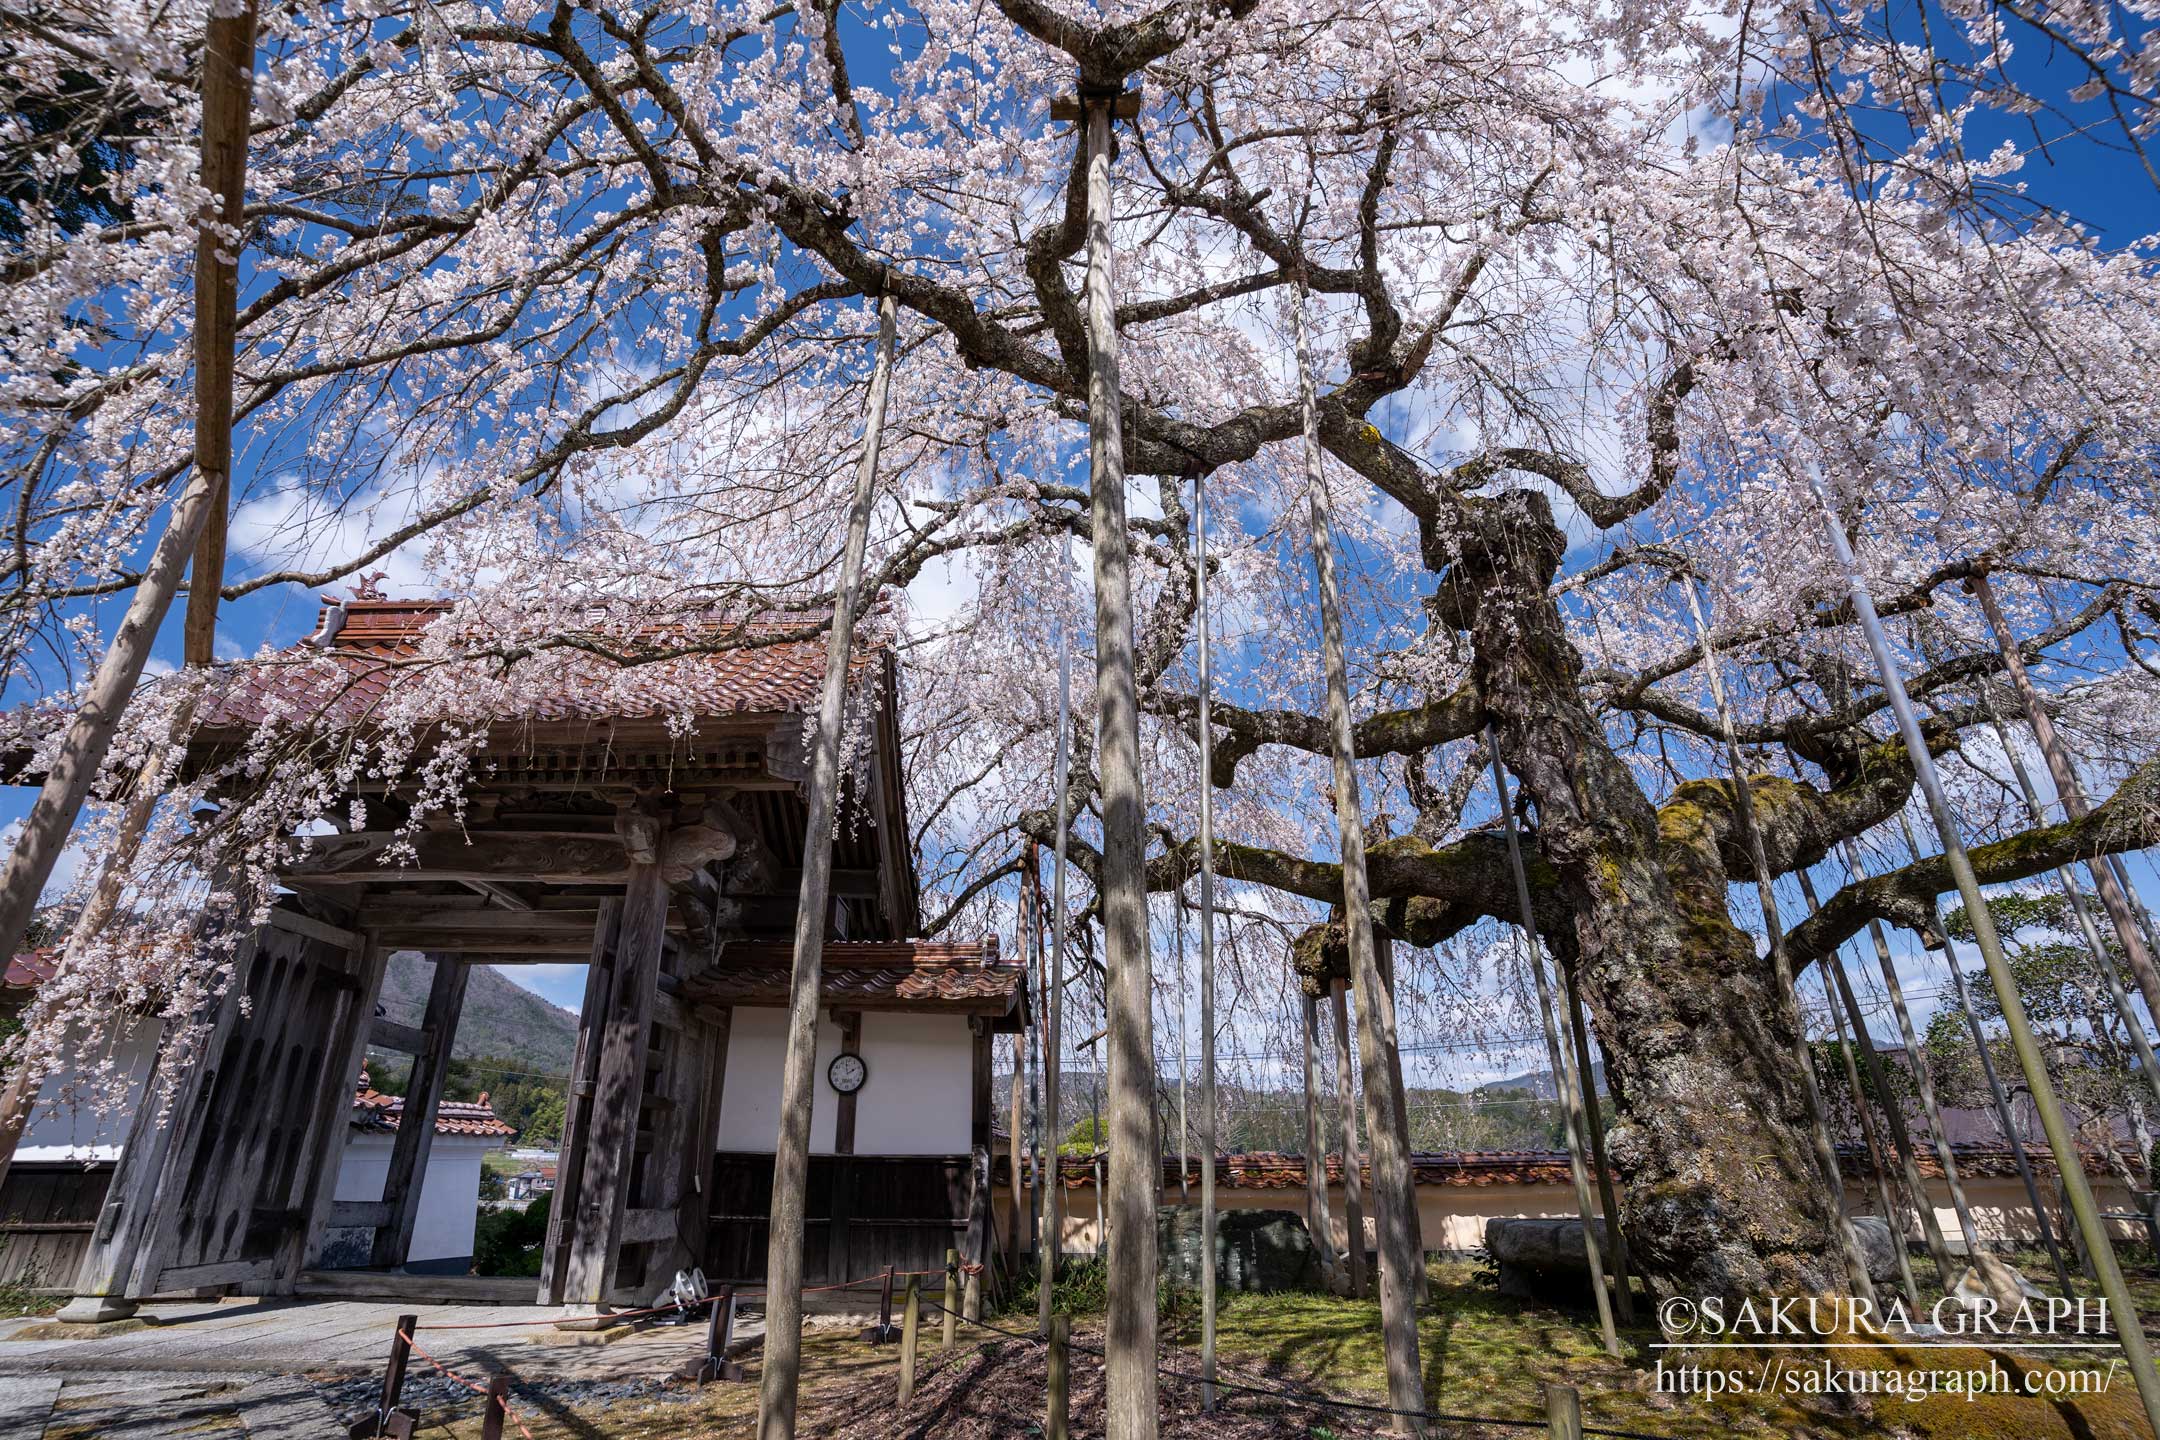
(1946, 1271)
(778, 1386)
(1891, 1210)
(2061, 1141)
(1780, 960)
(1394, 1195)
(1594, 1119)
(1998, 1098)
(1209, 1145)
(1564, 1081)
(2071, 792)
(2103, 963)
(949, 1312)
(1184, 1048)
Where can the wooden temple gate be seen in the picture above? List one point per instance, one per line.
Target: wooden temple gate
(607, 839)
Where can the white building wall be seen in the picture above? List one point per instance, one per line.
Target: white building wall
(449, 1195)
(918, 1099)
(66, 1124)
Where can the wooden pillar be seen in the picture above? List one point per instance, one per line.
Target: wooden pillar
(416, 1122)
(611, 1140)
(704, 1131)
(839, 1241)
(577, 1110)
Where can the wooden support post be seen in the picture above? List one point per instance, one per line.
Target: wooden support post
(952, 1298)
(1209, 1145)
(1594, 1119)
(1894, 1117)
(416, 1123)
(1057, 1376)
(778, 1385)
(577, 1106)
(390, 1403)
(1564, 1081)
(1876, 1161)
(227, 80)
(611, 1143)
(1016, 1149)
(497, 1407)
(1131, 1405)
(2071, 792)
(1353, 1161)
(1316, 1200)
(1781, 959)
(1402, 1260)
(1050, 1245)
(1563, 1412)
(910, 1333)
(2137, 1355)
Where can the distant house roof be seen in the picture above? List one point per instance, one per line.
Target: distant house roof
(874, 975)
(32, 968)
(373, 1110)
(345, 679)
(1271, 1170)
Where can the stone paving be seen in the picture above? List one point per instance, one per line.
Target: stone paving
(288, 1369)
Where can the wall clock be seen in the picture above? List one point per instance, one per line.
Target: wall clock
(847, 1073)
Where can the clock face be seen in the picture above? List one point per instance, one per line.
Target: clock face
(847, 1073)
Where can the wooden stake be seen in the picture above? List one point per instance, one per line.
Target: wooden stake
(778, 1386)
(1563, 1412)
(228, 73)
(1057, 1422)
(1564, 1081)
(1130, 1404)
(1402, 1257)
(2062, 1141)
(910, 1336)
(952, 1299)
(497, 1407)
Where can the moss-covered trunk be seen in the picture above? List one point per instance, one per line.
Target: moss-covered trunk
(1722, 1193)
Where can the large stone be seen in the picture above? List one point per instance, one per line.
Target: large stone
(1543, 1258)
(1254, 1249)
(1879, 1246)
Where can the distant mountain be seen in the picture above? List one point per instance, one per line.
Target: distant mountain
(1540, 1083)
(501, 1018)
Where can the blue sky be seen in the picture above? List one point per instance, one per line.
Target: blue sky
(2101, 186)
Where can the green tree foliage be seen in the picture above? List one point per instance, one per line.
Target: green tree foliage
(509, 1242)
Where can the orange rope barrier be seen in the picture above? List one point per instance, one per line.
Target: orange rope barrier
(510, 1414)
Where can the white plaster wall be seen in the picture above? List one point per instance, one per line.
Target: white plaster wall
(449, 1195)
(918, 1100)
(65, 1127)
(920, 1097)
(750, 1096)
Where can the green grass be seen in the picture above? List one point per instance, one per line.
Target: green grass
(1484, 1354)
